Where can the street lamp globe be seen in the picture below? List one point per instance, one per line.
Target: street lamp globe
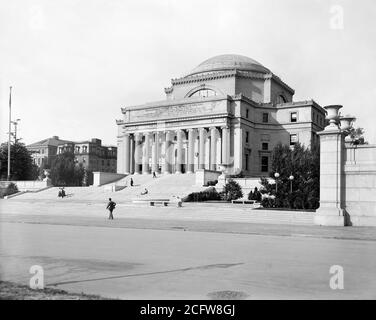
(291, 177)
(276, 175)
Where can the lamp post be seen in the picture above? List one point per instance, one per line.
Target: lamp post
(291, 177)
(276, 176)
(15, 123)
(9, 133)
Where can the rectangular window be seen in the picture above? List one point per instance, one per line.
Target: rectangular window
(265, 146)
(265, 117)
(246, 137)
(247, 113)
(264, 164)
(293, 139)
(293, 117)
(246, 161)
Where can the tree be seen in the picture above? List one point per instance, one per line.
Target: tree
(357, 136)
(304, 165)
(65, 171)
(21, 162)
(232, 190)
(254, 195)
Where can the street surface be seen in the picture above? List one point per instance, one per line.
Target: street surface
(132, 258)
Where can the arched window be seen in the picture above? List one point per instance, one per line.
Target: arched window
(281, 99)
(203, 93)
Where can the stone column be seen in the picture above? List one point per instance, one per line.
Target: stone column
(120, 159)
(126, 154)
(146, 154)
(213, 148)
(137, 153)
(167, 153)
(202, 135)
(225, 145)
(331, 212)
(179, 146)
(131, 154)
(155, 147)
(191, 151)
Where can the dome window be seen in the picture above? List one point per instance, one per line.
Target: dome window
(203, 93)
(281, 99)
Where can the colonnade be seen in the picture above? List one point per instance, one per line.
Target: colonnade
(174, 151)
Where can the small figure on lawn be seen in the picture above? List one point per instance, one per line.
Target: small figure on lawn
(144, 192)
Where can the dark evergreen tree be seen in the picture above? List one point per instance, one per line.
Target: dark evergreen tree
(304, 164)
(232, 190)
(21, 162)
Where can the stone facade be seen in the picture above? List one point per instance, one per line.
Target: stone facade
(92, 154)
(229, 112)
(347, 176)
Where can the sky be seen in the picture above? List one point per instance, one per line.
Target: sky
(73, 64)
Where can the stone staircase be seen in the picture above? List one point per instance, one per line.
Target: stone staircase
(164, 186)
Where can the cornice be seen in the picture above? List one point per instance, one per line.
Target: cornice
(279, 81)
(169, 103)
(217, 75)
(165, 121)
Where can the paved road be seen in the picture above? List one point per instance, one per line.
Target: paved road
(176, 264)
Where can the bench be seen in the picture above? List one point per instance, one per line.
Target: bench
(165, 202)
(153, 202)
(243, 201)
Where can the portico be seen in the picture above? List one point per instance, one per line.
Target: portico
(175, 150)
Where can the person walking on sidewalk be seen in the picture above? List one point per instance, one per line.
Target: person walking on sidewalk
(111, 206)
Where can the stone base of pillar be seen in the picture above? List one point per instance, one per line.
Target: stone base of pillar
(177, 172)
(330, 217)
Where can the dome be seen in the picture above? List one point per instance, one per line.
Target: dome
(229, 62)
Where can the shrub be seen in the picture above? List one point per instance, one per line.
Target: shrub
(210, 194)
(10, 189)
(255, 195)
(268, 203)
(212, 183)
(233, 190)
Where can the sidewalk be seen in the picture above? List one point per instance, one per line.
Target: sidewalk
(195, 217)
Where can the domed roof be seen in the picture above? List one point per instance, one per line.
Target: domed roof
(229, 62)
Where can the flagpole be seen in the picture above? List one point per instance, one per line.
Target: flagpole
(9, 133)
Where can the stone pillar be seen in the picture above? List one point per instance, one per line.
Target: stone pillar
(167, 153)
(213, 148)
(191, 151)
(202, 135)
(238, 149)
(126, 154)
(120, 154)
(155, 147)
(179, 160)
(331, 211)
(146, 154)
(131, 154)
(225, 145)
(137, 153)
